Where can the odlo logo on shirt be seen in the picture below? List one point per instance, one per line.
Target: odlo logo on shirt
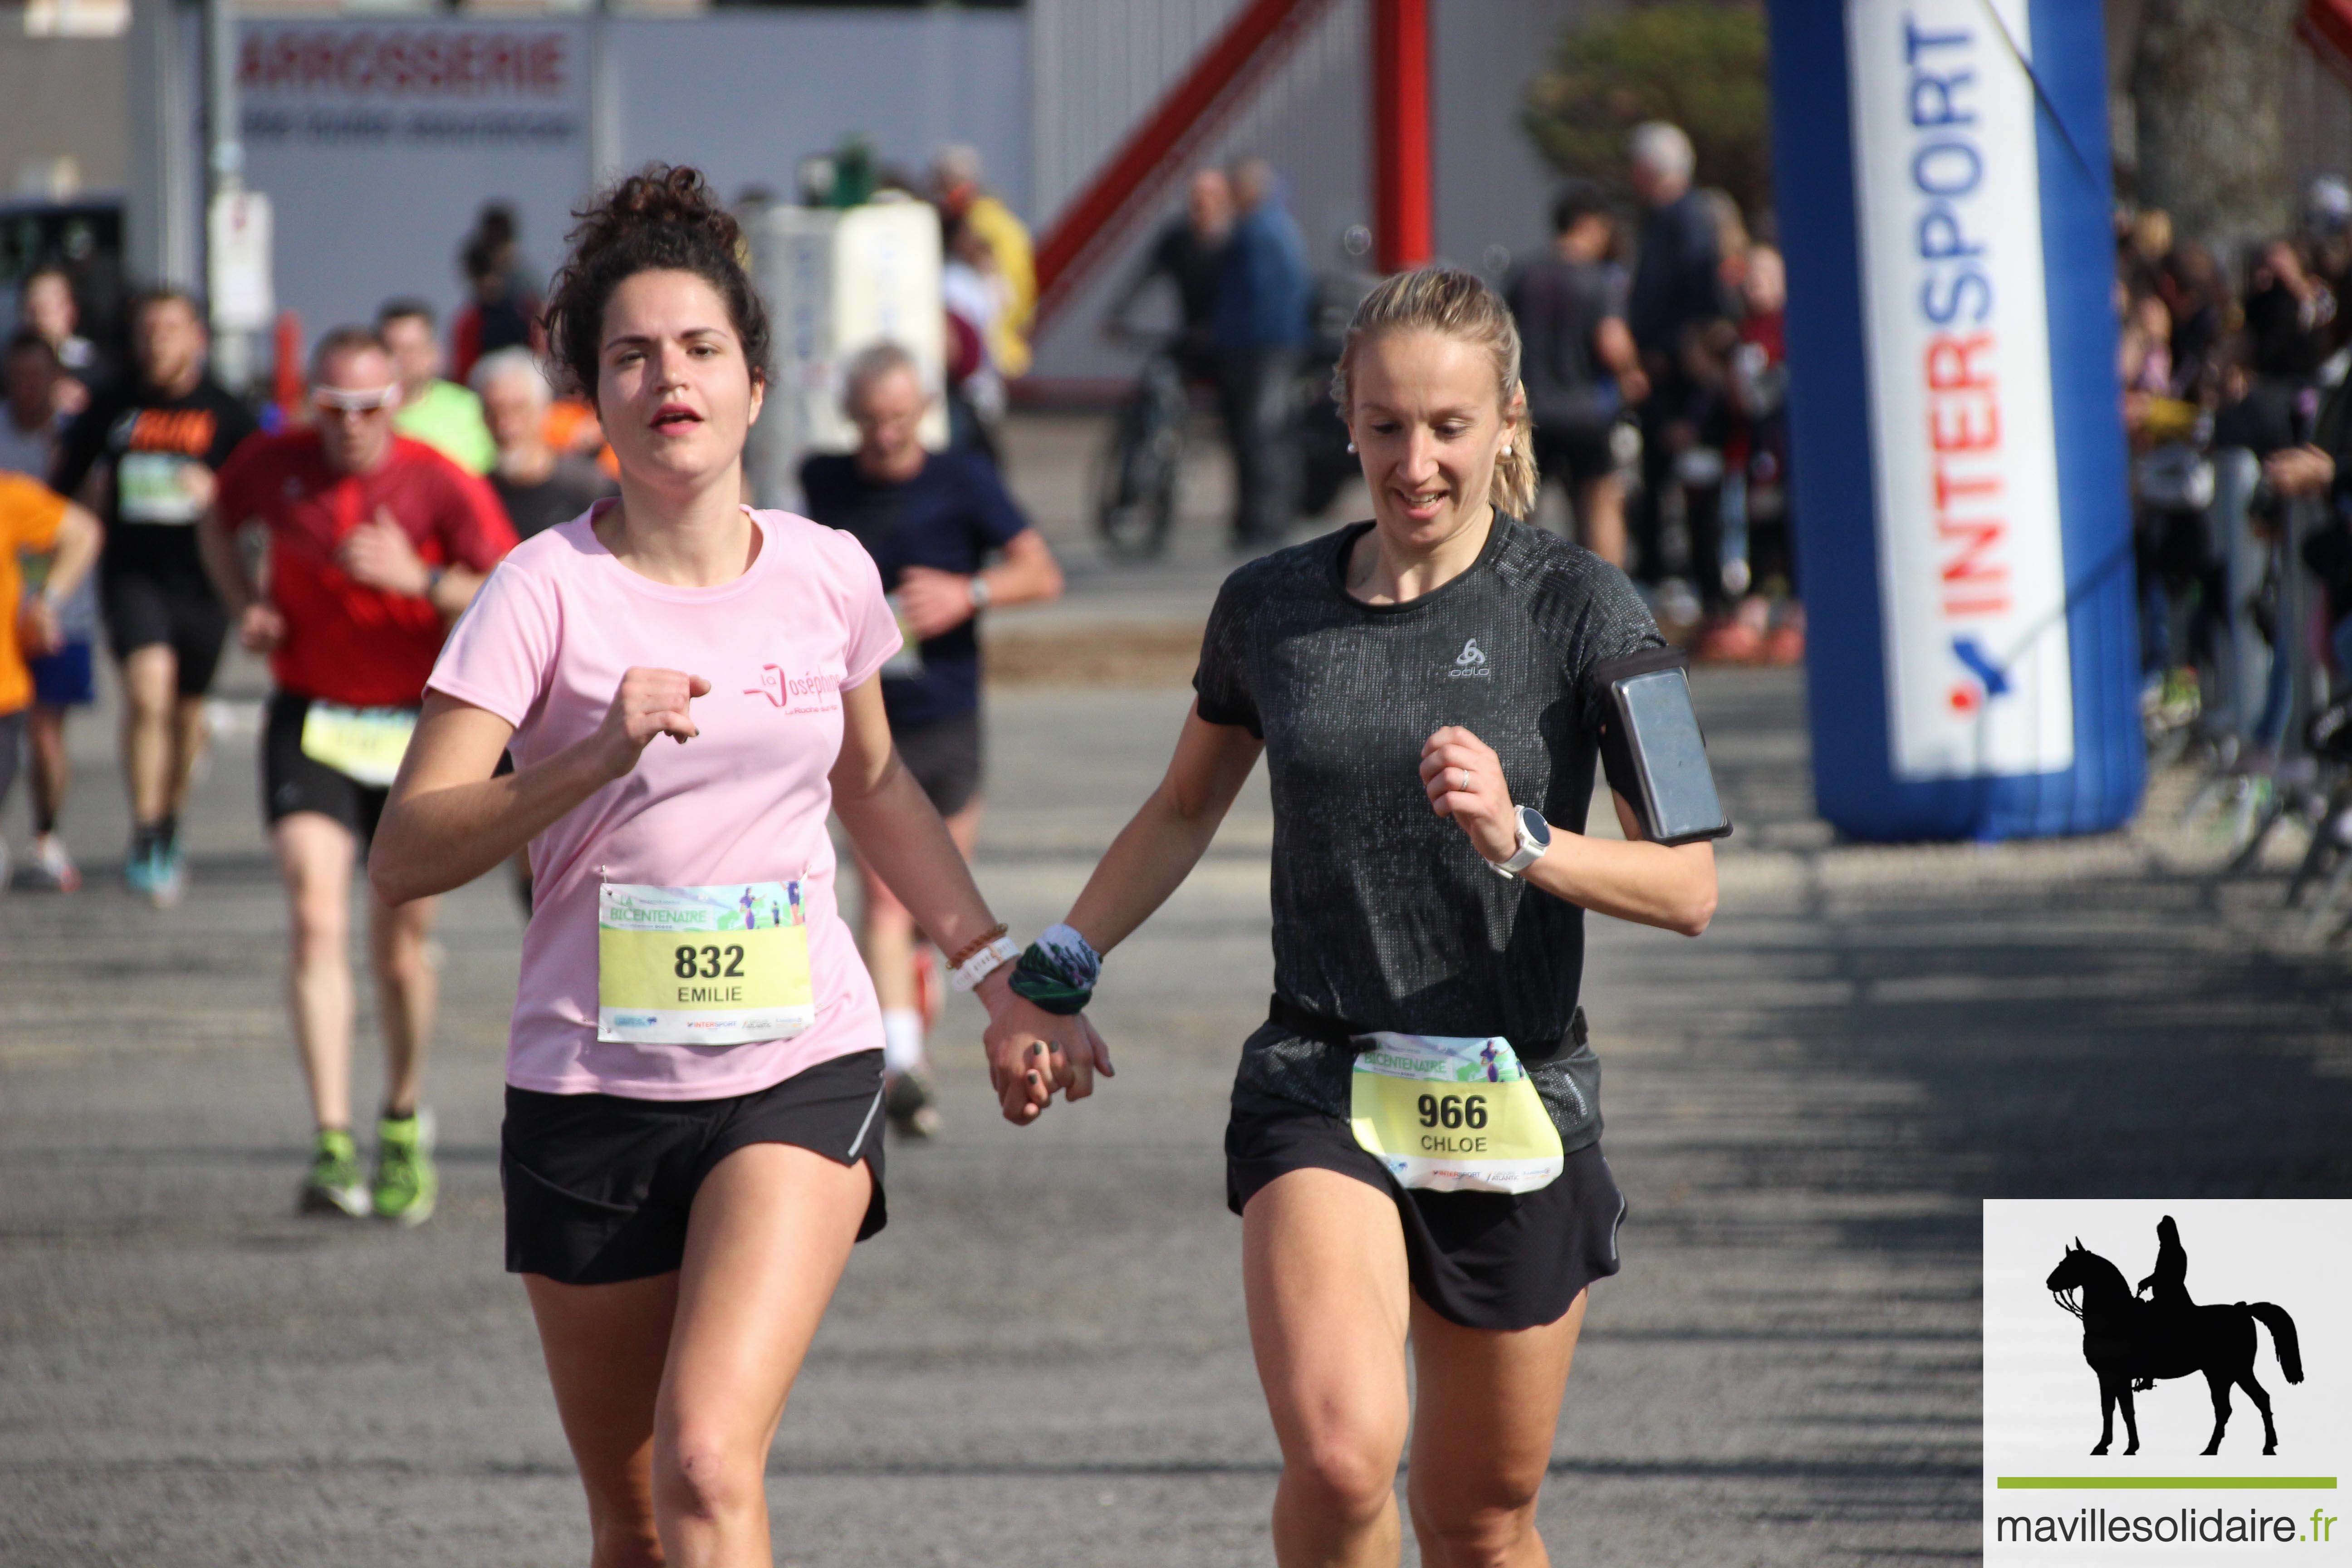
(1470, 663)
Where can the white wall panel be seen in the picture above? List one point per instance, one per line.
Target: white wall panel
(747, 95)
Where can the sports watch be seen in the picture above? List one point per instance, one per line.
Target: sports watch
(1535, 837)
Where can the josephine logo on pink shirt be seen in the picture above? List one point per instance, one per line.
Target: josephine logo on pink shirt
(811, 693)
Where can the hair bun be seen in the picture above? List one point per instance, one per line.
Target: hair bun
(670, 195)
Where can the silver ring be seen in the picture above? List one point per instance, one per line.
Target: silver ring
(1465, 786)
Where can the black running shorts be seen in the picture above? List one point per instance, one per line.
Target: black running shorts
(1485, 1260)
(142, 611)
(292, 780)
(599, 1187)
(945, 758)
(1576, 455)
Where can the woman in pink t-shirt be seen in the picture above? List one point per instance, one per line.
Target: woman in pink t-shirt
(691, 1144)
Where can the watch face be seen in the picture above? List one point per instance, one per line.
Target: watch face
(1532, 824)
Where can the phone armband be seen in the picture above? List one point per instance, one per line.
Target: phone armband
(1652, 750)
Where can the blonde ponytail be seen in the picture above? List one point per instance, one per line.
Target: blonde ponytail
(1516, 482)
(1460, 305)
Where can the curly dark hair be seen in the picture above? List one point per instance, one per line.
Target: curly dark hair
(662, 218)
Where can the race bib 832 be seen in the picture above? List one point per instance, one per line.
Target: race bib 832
(702, 966)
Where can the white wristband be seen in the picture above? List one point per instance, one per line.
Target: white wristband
(985, 962)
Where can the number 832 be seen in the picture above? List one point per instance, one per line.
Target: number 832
(714, 963)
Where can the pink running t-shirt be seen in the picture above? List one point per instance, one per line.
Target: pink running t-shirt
(544, 647)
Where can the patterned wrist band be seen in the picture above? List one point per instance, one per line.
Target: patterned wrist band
(1056, 978)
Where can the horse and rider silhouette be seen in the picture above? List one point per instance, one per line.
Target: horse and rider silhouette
(2130, 1344)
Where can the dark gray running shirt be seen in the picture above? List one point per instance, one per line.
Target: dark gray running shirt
(1384, 916)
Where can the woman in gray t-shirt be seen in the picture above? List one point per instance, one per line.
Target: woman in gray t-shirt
(1414, 1141)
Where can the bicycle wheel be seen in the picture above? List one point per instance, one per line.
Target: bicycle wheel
(1135, 482)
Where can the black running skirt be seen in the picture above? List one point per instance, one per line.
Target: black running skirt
(599, 1187)
(1485, 1260)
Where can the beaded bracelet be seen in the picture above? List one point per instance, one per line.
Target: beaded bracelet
(964, 953)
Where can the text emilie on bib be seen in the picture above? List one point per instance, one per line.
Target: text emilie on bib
(702, 966)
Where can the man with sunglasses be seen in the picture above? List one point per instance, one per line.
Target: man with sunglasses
(144, 456)
(377, 544)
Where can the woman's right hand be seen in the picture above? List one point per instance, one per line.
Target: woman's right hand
(649, 702)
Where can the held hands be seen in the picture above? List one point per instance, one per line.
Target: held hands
(934, 601)
(1464, 781)
(649, 702)
(380, 554)
(1032, 1052)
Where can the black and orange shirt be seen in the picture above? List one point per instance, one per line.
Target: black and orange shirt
(347, 642)
(148, 446)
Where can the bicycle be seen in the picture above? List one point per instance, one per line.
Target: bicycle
(1136, 474)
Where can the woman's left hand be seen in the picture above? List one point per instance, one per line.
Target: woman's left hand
(1464, 781)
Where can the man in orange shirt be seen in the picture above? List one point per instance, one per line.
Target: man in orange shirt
(36, 521)
(376, 544)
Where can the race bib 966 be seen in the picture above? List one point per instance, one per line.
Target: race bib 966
(1453, 1114)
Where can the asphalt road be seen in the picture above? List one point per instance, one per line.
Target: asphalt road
(1044, 1359)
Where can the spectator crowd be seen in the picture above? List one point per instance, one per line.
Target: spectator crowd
(2240, 418)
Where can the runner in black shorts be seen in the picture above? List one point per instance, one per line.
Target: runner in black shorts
(1580, 368)
(1436, 663)
(693, 1075)
(144, 455)
(376, 544)
(930, 521)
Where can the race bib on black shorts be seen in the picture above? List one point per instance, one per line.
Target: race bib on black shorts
(364, 744)
(1453, 1114)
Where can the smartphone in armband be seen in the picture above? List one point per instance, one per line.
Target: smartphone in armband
(1651, 749)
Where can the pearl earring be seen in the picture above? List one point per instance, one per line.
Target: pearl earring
(1351, 447)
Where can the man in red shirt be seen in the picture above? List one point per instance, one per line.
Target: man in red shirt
(376, 544)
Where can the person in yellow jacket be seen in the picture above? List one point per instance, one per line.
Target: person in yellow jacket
(956, 182)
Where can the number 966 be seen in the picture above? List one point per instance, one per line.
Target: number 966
(1452, 1110)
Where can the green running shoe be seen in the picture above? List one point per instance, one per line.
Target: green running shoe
(333, 1185)
(406, 1184)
